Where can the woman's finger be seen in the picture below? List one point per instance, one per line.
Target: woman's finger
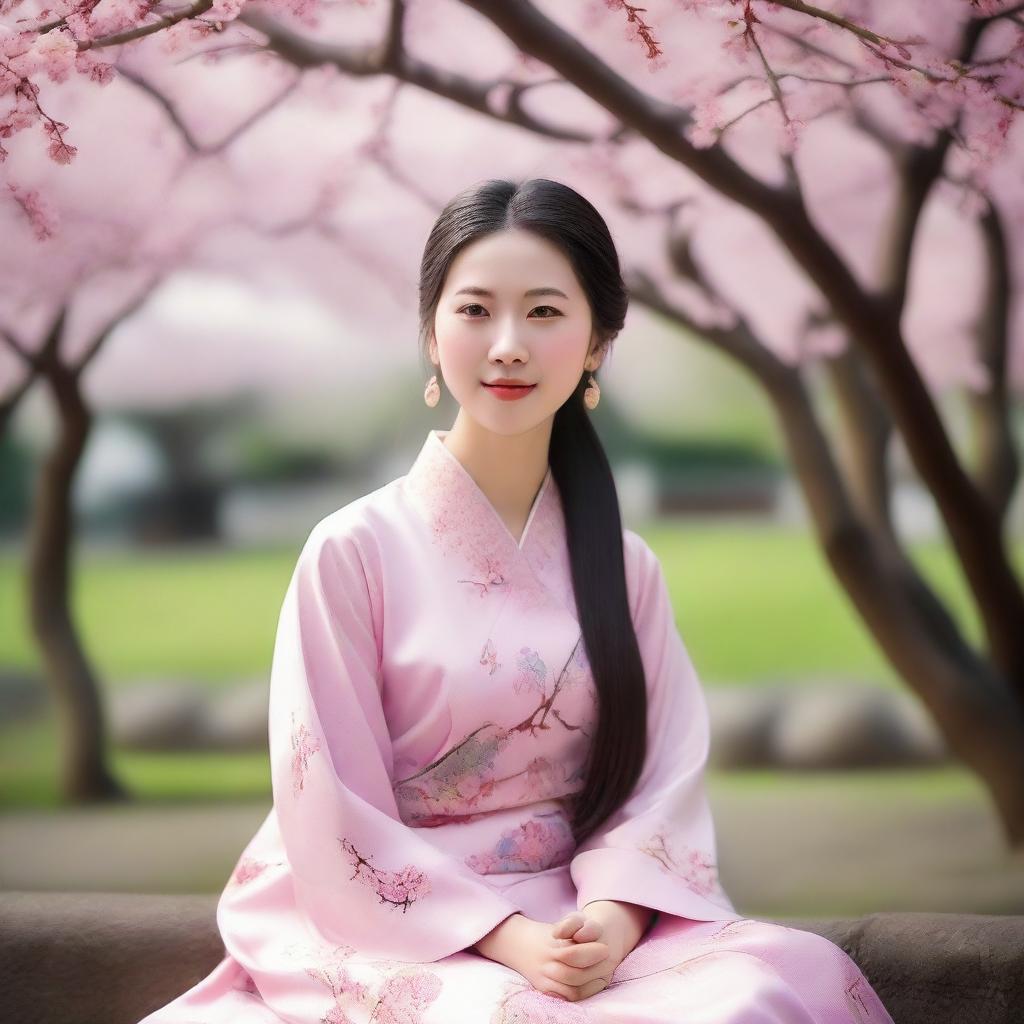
(582, 954)
(590, 931)
(568, 926)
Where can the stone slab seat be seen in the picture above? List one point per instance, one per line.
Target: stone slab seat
(111, 958)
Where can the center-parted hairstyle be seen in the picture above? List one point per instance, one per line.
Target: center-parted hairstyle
(558, 213)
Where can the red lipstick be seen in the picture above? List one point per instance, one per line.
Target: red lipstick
(509, 389)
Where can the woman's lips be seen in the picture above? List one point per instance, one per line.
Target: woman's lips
(509, 392)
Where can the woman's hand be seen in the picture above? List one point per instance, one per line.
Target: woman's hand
(616, 925)
(584, 929)
(568, 960)
(571, 959)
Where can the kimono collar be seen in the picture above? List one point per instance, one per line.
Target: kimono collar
(468, 530)
(459, 512)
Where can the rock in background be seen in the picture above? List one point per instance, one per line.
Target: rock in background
(820, 727)
(172, 715)
(826, 725)
(157, 715)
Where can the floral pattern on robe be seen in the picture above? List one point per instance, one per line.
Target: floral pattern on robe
(431, 714)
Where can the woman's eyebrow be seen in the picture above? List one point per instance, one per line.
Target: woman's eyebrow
(475, 290)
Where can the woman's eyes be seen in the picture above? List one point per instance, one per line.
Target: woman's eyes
(476, 305)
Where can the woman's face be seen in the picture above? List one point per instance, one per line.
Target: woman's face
(543, 338)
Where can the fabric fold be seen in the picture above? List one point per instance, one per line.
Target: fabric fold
(361, 876)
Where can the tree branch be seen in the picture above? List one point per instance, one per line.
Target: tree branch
(387, 57)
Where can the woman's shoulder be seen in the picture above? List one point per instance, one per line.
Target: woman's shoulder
(357, 528)
(637, 554)
(342, 555)
(642, 567)
(633, 544)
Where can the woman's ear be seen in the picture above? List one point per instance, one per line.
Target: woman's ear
(595, 356)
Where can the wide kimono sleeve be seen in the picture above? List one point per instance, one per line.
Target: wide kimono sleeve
(658, 850)
(361, 876)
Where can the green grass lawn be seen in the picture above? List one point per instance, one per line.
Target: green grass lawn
(207, 616)
(754, 604)
(28, 772)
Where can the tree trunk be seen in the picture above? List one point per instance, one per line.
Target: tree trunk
(84, 774)
(978, 714)
(997, 466)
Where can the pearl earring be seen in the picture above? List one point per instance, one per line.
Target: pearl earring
(432, 392)
(592, 395)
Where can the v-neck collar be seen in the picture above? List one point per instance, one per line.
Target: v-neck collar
(455, 500)
(436, 437)
(466, 527)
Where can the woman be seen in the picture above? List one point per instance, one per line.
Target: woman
(487, 737)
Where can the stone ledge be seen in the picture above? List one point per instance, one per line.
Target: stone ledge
(112, 958)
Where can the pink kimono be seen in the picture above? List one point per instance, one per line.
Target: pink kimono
(431, 708)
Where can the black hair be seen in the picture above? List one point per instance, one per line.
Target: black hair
(579, 466)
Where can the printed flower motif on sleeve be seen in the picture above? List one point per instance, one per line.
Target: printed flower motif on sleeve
(694, 866)
(399, 888)
(249, 868)
(304, 746)
(344, 990)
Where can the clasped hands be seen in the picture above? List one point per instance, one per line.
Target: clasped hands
(576, 956)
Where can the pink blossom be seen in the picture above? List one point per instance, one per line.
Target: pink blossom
(41, 215)
(94, 67)
(304, 746)
(54, 54)
(247, 869)
(61, 152)
(22, 115)
(225, 10)
(117, 16)
(13, 43)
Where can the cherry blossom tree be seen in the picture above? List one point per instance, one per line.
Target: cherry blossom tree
(111, 259)
(71, 37)
(783, 177)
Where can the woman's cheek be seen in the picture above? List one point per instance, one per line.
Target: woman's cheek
(564, 357)
(462, 357)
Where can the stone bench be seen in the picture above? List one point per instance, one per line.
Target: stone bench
(99, 958)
